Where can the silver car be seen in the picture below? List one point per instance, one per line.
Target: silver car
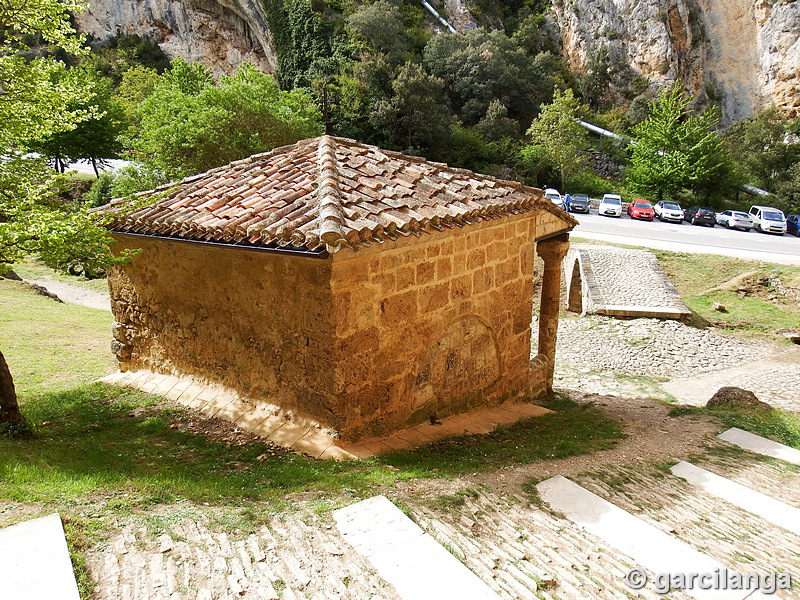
(668, 211)
(735, 219)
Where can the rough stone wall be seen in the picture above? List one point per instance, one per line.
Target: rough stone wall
(365, 342)
(221, 34)
(779, 53)
(743, 54)
(433, 326)
(255, 321)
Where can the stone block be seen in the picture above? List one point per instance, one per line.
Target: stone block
(399, 308)
(425, 272)
(476, 258)
(483, 280)
(444, 268)
(405, 278)
(434, 250)
(435, 297)
(461, 287)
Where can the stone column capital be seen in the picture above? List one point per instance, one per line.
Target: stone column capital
(553, 250)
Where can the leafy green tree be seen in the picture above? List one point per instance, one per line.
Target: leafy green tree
(380, 25)
(482, 66)
(136, 85)
(94, 139)
(677, 150)
(301, 37)
(594, 83)
(190, 123)
(496, 125)
(767, 150)
(35, 99)
(416, 116)
(562, 142)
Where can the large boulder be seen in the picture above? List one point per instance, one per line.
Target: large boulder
(736, 397)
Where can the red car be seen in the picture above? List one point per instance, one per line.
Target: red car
(641, 209)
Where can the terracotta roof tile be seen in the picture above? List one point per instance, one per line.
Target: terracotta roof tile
(325, 193)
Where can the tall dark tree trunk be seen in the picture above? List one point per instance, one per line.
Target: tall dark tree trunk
(9, 409)
(94, 166)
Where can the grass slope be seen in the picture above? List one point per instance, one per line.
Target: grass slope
(96, 442)
(51, 345)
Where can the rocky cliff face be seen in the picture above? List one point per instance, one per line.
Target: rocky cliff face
(745, 54)
(221, 34)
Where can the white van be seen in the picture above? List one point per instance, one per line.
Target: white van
(554, 196)
(768, 220)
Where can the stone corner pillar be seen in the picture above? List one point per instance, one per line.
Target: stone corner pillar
(552, 251)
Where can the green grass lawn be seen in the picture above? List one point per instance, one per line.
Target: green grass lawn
(752, 311)
(50, 345)
(95, 442)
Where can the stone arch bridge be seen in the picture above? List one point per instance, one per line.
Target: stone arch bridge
(621, 282)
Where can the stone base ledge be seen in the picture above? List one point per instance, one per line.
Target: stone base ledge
(304, 435)
(655, 312)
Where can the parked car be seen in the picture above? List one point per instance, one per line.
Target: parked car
(641, 209)
(554, 196)
(579, 203)
(768, 220)
(610, 205)
(700, 215)
(668, 211)
(793, 224)
(735, 219)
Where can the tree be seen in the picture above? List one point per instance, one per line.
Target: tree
(379, 25)
(416, 115)
(136, 85)
(36, 93)
(767, 150)
(190, 123)
(595, 81)
(482, 66)
(563, 142)
(95, 138)
(677, 150)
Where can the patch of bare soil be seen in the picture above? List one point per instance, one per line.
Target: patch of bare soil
(653, 437)
(214, 430)
(765, 286)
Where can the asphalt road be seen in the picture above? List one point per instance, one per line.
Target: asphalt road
(683, 237)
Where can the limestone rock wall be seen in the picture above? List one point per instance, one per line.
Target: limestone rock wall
(221, 34)
(745, 54)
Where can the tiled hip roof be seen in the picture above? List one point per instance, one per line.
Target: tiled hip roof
(323, 193)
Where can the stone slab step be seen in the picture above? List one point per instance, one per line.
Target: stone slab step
(759, 445)
(404, 555)
(649, 547)
(35, 563)
(766, 507)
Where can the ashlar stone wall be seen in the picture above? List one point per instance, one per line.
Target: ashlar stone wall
(433, 326)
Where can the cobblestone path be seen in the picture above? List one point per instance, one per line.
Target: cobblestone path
(298, 556)
(517, 546)
(658, 358)
(624, 277)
